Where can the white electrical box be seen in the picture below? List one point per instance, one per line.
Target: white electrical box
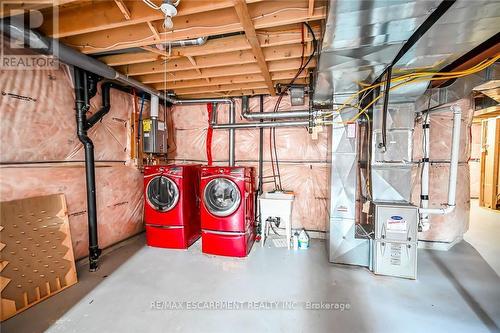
(395, 245)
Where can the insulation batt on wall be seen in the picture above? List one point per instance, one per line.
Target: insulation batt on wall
(303, 165)
(451, 227)
(41, 128)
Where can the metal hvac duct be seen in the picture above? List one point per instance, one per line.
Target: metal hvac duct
(15, 29)
(362, 39)
(182, 43)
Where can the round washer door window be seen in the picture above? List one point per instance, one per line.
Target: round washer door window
(221, 197)
(162, 194)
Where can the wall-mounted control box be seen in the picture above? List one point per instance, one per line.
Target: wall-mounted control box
(154, 136)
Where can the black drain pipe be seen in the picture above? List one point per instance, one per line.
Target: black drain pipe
(85, 89)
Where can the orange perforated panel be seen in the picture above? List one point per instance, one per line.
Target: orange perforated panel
(36, 254)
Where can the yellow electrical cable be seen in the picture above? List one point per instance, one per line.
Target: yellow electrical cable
(412, 78)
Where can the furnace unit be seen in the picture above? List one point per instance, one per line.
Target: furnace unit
(395, 245)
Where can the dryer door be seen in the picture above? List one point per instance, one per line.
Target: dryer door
(162, 193)
(221, 197)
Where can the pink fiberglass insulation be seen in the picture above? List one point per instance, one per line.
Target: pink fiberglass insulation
(119, 198)
(450, 227)
(38, 124)
(302, 160)
(441, 127)
(37, 108)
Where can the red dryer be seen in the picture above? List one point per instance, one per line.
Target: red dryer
(171, 209)
(227, 210)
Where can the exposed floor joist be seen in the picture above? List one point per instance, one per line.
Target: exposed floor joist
(199, 25)
(252, 44)
(246, 21)
(220, 45)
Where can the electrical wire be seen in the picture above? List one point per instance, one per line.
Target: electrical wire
(272, 131)
(411, 79)
(447, 76)
(151, 4)
(132, 43)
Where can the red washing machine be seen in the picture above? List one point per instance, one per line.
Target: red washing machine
(171, 209)
(227, 210)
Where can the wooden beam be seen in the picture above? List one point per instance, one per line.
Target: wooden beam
(123, 8)
(154, 50)
(230, 87)
(246, 21)
(310, 9)
(82, 20)
(212, 60)
(287, 75)
(215, 46)
(198, 25)
(491, 112)
(14, 7)
(128, 58)
(155, 32)
(290, 65)
(193, 62)
(234, 93)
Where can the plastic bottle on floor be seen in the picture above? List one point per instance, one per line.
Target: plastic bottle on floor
(303, 239)
(295, 241)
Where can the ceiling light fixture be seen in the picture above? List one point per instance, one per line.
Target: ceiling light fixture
(168, 8)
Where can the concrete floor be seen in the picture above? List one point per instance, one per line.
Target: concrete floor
(484, 233)
(456, 291)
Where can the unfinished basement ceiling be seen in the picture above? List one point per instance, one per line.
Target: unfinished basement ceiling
(231, 63)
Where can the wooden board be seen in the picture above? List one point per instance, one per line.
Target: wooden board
(490, 163)
(36, 255)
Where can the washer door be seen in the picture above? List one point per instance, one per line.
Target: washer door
(221, 197)
(162, 193)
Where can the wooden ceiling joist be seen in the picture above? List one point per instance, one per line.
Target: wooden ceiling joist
(223, 71)
(225, 80)
(155, 32)
(214, 46)
(246, 21)
(198, 25)
(14, 7)
(213, 60)
(231, 87)
(83, 20)
(233, 93)
(123, 8)
(252, 45)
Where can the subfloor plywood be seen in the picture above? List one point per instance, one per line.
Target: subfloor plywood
(36, 254)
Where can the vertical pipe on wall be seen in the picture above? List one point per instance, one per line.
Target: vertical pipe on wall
(424, 195)
(261, 148)
(232, 132)
(82, 106)
(232, 117)
(155, 106)
(452, 180)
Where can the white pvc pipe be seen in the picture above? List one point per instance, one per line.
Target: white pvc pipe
(452, 180)
(155, 105)
(424, 218)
